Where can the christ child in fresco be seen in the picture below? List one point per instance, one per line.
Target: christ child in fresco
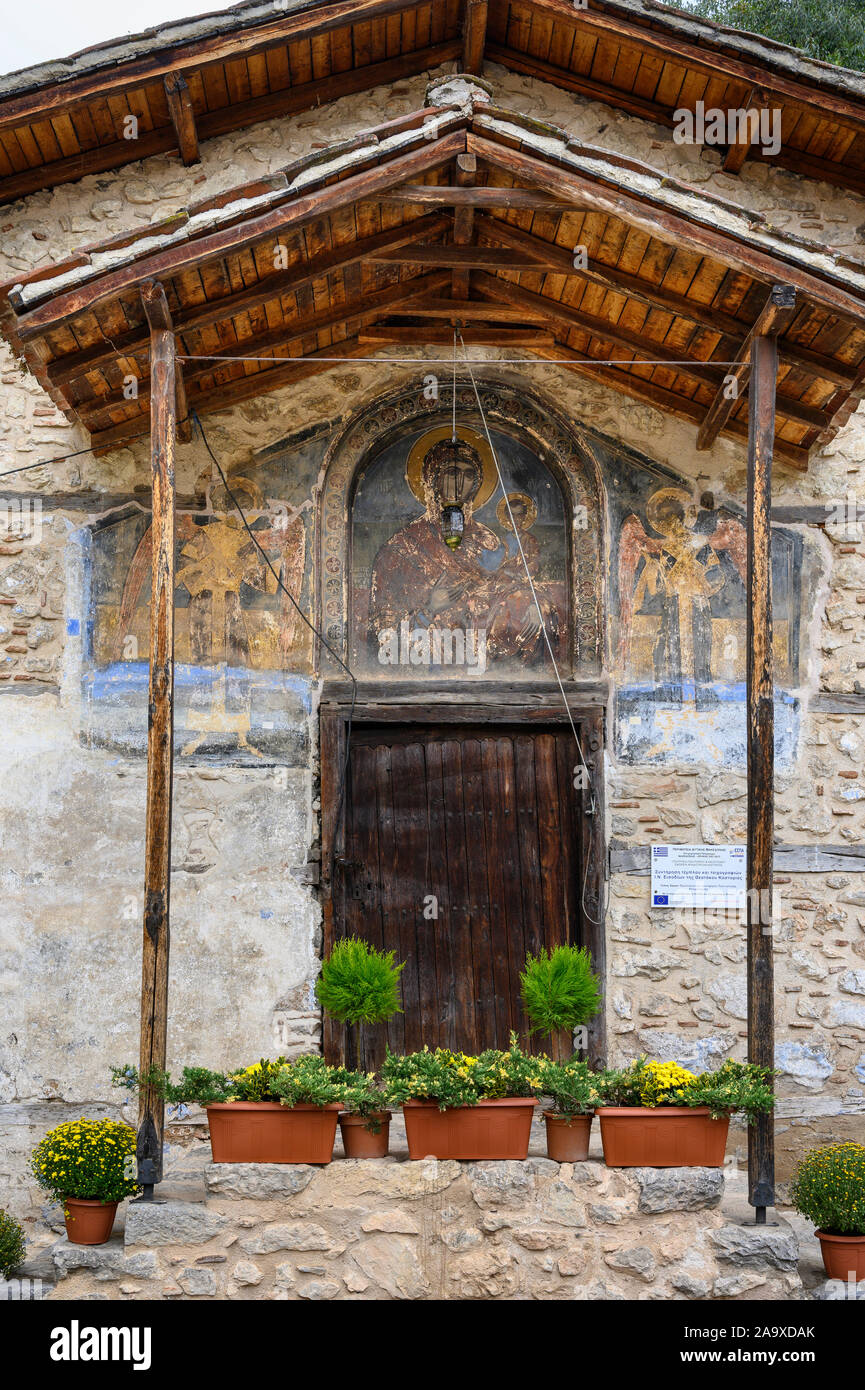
(420, 580)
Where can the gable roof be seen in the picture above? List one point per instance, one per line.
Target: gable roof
(460, 211)
(198, 78)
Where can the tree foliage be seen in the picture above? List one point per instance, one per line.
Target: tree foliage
(831, 30)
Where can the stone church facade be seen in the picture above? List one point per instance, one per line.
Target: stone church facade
(326, 463)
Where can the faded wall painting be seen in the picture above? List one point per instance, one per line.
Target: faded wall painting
(451, 576)
(240, 643)
(678, 577)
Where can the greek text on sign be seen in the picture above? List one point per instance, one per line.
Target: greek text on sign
(698, 876)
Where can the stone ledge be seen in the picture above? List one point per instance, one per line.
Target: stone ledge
(394, 1229)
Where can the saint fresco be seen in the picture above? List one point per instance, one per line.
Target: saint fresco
(465, 582)
(675, 584)
(229, 607)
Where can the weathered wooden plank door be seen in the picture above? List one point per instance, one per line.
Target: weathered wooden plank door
(461, 854)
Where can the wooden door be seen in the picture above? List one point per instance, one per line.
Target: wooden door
(461, 854)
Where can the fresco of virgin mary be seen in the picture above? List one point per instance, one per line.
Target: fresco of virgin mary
(418, 579)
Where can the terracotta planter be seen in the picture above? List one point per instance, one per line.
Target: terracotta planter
(267, 1132)
(490, 1129)
(88, 1222)
(843, 1256)
(361, 1142)
(567, 1140)
(670, 1136)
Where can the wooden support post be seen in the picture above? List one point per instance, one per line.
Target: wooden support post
(464, 220)
(761, 757)
(474, 36)
(774, 319)
(160, 731)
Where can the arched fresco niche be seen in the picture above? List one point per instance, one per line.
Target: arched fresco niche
(400, 603)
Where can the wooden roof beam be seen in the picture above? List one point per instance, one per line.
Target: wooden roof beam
(666, 224)
(346, 316)
(652, 394)
(648, 110)
(306, 23)
(309, 206)
(739, 150)
(274, 286)
(233, 392)
(182, 116)
(776, 315)
(421, 335)
(474, 35)
(640, 345)
(449, 195)
(668, 47)
(557, 260)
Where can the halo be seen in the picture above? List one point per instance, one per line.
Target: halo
(656, 502)
(531, 511)
(239, 484)
(422, 446)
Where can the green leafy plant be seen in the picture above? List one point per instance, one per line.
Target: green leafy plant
(90, 1159)
(361, 1095)
(735, 1087)
(829, 1188)
(571, 1086)
(359, 985)
(308, 1080)
(559, 990)
(12, 1246)
(453, 1078)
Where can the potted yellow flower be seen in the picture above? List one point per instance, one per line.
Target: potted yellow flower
(463, 1107)
(659, 1115)
(829, 1188)
(89, 1166)
(270, 1112)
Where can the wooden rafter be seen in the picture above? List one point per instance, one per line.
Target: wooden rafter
(231, 393)
(277, 285)
(641, 346)
(182, 115)
(776, 316)
(668, 401)
(401, 295)
(49, 101)
(301, 210)
(663, 223)
(464, 217)
(421, 335)
(558, 261)
(450, 195)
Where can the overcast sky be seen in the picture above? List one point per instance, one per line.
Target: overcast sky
(35, 30)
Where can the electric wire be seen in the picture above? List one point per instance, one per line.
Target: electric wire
(594, 805)
(341, 791)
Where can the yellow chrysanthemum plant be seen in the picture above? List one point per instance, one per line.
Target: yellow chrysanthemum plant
(307, 1080)
(736, 1087)
(455, 1078)
(93, 1160)
(829, 1188)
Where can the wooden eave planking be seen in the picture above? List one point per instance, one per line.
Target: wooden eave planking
(238, 73)
(87, 368)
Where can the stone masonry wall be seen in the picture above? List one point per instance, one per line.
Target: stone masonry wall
(438, 1230)
(245, 928)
